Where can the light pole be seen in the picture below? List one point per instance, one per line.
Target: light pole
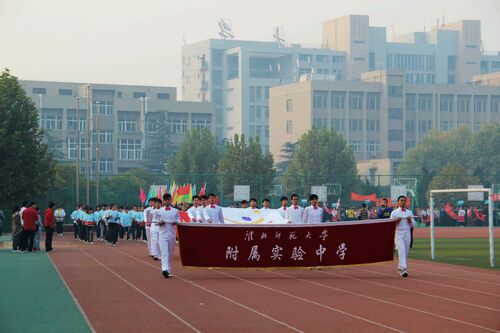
(77, 150)
(89, 113)
(98, 110)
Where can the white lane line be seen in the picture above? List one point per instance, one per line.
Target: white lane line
(194, 329)
(456, 277)
(410, 291)
(217, 294)
(447, 267)
(72, 295)
(312, 302)
(428, 282)
(384, 301)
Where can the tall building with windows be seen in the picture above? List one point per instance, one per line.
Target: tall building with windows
(123, 119)
(236, 75)
(381, 116)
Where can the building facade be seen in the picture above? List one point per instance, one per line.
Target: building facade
(381, 116)
(122, 121)
(236, 75)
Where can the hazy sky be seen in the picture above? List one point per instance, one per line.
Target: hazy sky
(139, 42)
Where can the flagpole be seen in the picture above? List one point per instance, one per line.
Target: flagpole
(77, 151)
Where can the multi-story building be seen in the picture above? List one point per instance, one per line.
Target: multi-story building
(236, 75)
(381, 116)
(121, 120)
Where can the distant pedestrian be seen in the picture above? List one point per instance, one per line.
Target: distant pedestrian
(363, 212)
(2, 221)
(59, 214)
(384, 211)
(49, 226)
(29, 216)
(17, 229)
(38, 231)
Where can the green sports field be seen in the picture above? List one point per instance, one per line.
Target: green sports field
(472, 252)
(33, 298)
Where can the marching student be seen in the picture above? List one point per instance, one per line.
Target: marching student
(155, 231)
(81, 226)
(167, 216)
(283, 209)
(244, 203)
(213, 213)
(253, 203)
(404, 220)
(49, 226)
(295, 212)
(89, 223)
(59, 214)
(148, 218)
(133, 228)
(141, 230)
(113, 225)
(193, 211)
(266, 204)
(125, 223)
(200, 212)
(74, 218)
(313, 213)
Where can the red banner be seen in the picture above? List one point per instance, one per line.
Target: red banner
(258, 245)
(496, 197)
(451, 213)
(361, 197)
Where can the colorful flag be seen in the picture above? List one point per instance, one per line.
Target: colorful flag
(182, 194)
(142, 196)
(203, 188)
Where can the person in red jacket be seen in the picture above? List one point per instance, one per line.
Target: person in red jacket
(49, 226)
(30, 216)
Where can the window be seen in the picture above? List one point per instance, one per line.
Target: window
(410, 102)
(321, 58)
(373, 125)
(152, 125)
(163, 96)
(105, 108)
(258, 113)
(105, 136)
(266, 92)
(51, 122)
(480, 103)
(410, 125)
(252, 93)
(39, 91)
(395, 113)
(410, 144)
(130, 149)
(356, 146)
(72, 123)
(355, 101)
(65, 92)
(372, 147)
(338, 124)
(463, 102)
(319, 99)
(373, 101)
(105, 165)
(424, 126)
(338, 100)
(444, 126)
(371, 61)
(127, 125)
(266, 112)
(395, 154)
(289, 105)
(395, 91)
(395, 135)
(355, 125)
(73, 147)
(200, 124)
(425, 102)
(119, 94)
(289, 127)
(446, 103)
(477, 126)
(258, 93)
(452, 63)
(495, 103)
(319, 123)
(138, 94)
(177, 126)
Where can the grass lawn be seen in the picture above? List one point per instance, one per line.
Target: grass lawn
(472, 252)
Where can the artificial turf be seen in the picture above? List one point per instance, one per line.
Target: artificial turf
(472, 252)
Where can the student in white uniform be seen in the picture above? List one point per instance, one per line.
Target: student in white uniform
(313, 213)
(155, 231)
(295, 212)
(193, 211)
(404, 219)
(148, 218)
(266, 204)
(167, 217)
(200, 212)
(253, 203)
(213, 213)
(284, 207)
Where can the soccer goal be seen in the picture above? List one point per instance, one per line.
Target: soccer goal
(490, 219)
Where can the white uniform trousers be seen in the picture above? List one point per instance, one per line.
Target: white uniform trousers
(155, 245)
(148, 239)
(403, 238)
(167, 244)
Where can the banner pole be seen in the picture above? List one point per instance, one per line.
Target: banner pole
(491, 229)
(433, 253)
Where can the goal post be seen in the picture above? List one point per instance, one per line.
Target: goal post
(490, 218)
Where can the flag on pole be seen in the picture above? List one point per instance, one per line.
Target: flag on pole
(142, 196)
(203, 188)
(338, 204)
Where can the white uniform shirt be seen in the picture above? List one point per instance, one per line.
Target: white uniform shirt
(283, 210)
(193, 214)
(313, 214)
(214, 214)
(170, 216)
(200, 214)
(294, 214)
(155, 218)
(59, 215)
(148, 216)
(21, 215)
(403, 224)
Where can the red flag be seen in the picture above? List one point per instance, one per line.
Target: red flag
(361, 197)
(142, 196)
(451, 213)
(480, 215)
(217, 200)
(203, 188)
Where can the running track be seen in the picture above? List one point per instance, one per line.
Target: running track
(121, 290)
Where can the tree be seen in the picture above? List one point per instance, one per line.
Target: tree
(26, 166)
(160, 148)
(321, 156)
(245, 164)
(287, 152)
(198, 154)
(484, 150)
(452, 176)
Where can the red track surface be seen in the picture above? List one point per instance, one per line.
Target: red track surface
(121, 290)
(455, 232)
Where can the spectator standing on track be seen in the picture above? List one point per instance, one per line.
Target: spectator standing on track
(59, 214)
(17, 229)
(363, 212)
(125, 222)
(404, 220)
(30, 216)
(74, 218)
(461, 216)
(89, 225)
(113, 225)
(49, 224)
(384, 211)
(38, 231)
